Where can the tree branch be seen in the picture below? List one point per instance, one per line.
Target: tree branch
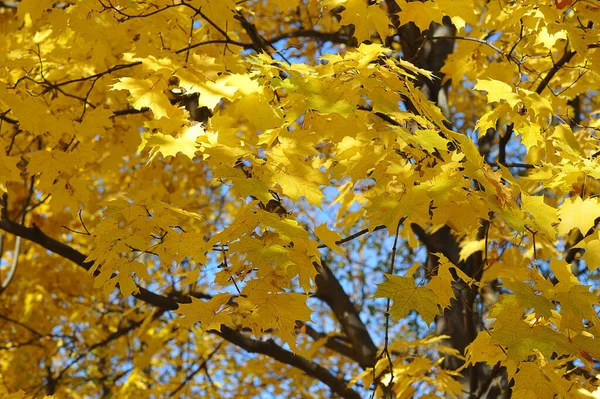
(503, 143)
(567, 56)
(112, 337)
(330, 291)
(332, 343)
(269, 348)
(9, 4)
(8, 119)
(333, 37)
(353, 236)
(201, 366)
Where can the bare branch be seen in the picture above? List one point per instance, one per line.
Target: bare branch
(31, 330)
(200, 367)
(271, 349)
(353, 236)
(330, 291)
(332, 343)
(567, 56)
(112, 337)
(388, 305)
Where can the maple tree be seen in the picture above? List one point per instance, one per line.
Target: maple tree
(299, 198)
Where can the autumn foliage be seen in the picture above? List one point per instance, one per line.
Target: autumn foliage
(299, 198)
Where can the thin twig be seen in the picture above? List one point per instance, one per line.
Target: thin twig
(487, 237)
(74, 231)
(509, 56)
(31, 330)
(533, 233)
(187, 52)
(41, 202)
(567, 56)
(18, 240)
(388, 305)
(353, 236)
(518, 41)
(7, 119)
(189, 377)
(83, 224)
(515, 165)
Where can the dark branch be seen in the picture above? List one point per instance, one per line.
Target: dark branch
(503, 143)
(333, 37)
(8, 119)
(271, 349)
(200, 367)
(567, 56)
(129, 111)
(332, 343)
(381, 115)
(112, 337)
(34, 234)
(515, 165)
(353, 236)
(330, 291)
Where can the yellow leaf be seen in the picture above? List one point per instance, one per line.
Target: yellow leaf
(388, 210)
(126, 284)
(297, 186)
(430, 140)
(210, 92)
(578, 213)
(406, 296)
(211, 314)
(183, 212)
(329, 238)
(531, 134)
(169, 146)
(421, 13)
(221, 12)
(564, 135)
(592, 255)
(263, 255)
(327, 99)
(577, 305)
(489, 120)
(497, 91)
(411, 67)
(70, 193)
(528, 298)
(545, 216)
(365, 19)
(464, 10)
(50, 164)
(8, 171)
(258, 111)
(146, 93)
(441, 283)
(469, 247)
(535, 381)
(562, 271)
(243, 185)
(275, 308)
(482, 350)
(35, 8)
(177, 246)
(520, 337)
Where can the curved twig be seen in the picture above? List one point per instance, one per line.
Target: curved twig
(13, 266)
